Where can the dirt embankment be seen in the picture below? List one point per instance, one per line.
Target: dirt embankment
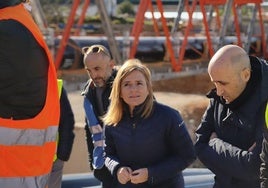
(192, 84)
(187, 95)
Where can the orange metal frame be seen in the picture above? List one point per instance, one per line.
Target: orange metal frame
(66, 34)
(139, 21)
(137, 28)
(263, 38)
(156, 29)
(82, 17)
(236, 3)
(67, 30)
(258, 4)
(215, 4)
(190, 10)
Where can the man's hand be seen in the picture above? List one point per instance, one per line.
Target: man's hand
(213, 135)
(252, 147)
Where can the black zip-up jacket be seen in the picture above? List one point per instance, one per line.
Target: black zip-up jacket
(238, 126)
(66, 127)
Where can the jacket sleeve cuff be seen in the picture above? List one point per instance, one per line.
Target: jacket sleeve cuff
(150, 177)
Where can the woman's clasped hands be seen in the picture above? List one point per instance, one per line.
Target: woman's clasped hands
(126, 174)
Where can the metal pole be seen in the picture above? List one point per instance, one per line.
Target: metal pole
(227, 10)
(178, 18)
(250, 29)
(107, 27)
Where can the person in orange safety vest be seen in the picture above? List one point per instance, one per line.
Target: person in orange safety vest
(29, 100)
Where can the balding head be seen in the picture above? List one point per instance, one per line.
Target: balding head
(230, 56)
(230, 70)
(98, 63)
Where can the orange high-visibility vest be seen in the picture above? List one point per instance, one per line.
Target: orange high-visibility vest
(27, 146)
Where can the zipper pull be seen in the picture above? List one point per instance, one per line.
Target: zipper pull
(134, 125)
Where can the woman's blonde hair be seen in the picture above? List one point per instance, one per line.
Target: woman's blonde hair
(115, 111)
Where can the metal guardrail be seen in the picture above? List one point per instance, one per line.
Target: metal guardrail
(193, 177)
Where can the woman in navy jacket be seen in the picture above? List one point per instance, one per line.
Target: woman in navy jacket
(147, 143)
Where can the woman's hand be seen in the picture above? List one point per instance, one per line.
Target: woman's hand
(139, 176)
(124, 174)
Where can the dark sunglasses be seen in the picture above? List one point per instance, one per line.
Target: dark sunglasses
(95, 49)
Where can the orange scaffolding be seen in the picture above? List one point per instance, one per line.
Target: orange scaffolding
(137, 29)
(66, 34)
(70, 22)
(235, 5)
(190, 7)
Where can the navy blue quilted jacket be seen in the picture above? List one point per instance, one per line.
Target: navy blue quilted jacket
(160, 143)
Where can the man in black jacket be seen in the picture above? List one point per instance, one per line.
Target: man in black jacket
(65, 140)
(229, 138)
(99, 64)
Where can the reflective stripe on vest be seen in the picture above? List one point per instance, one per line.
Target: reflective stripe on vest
(27, 146)
(29, 182)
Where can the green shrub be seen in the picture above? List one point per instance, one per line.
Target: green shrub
(126, 7)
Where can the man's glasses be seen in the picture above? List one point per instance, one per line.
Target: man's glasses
(96, 49)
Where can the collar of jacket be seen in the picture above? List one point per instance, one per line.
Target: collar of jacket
(254, 81)
(137, 112)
